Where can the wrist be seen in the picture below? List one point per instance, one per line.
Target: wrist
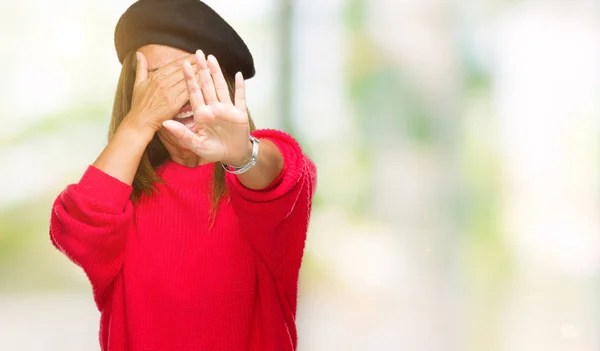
(137, 134)
(242, 158)
(134, 122)
(138, 121)
(249, 163)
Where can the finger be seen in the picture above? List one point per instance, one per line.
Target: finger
(141, 70)
(175, 65)
(240, 92)
(177, 76)
(219, 80)
(180, 91)
(194, 91)
(187, 137)
(206, 81)
(181, 95)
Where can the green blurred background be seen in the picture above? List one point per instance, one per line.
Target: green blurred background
(457, 150)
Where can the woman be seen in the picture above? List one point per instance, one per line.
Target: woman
(190, 225)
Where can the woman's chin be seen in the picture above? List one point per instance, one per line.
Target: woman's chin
(182, 150)
(174, 145)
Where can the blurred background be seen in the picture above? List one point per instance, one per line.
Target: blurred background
(457, 149)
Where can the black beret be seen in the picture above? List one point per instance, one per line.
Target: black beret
(188, 25)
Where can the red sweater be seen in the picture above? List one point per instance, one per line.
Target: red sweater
(164, 280)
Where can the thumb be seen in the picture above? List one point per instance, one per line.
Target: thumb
(141, 71)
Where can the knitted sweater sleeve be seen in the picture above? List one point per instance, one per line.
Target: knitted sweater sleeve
(275, 203)
(89, 223)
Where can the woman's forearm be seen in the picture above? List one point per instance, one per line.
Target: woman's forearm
(121, 157)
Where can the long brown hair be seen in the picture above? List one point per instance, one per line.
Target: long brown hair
(156, 154)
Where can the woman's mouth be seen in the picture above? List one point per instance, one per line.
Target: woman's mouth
(186, 118)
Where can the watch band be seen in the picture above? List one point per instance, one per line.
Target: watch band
(249, 164)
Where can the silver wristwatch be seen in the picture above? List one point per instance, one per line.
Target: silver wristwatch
(249, 164)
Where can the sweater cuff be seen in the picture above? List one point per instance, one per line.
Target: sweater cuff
(104, 188)
(293, 166)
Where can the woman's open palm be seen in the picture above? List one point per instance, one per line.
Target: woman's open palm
(222, 126)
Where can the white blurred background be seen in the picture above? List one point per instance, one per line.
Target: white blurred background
(457, 150)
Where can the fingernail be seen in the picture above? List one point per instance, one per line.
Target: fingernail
(138, 56)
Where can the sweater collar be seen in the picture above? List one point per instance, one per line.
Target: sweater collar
(175, 173)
